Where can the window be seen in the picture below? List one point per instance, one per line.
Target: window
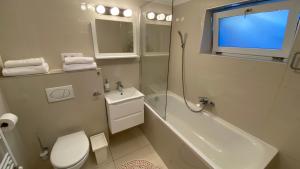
(261, 30)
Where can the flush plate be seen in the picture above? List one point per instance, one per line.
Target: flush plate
(61, 93)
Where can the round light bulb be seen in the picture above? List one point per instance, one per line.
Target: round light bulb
(114, 11)
(161, 17)
(100, 9)
(91, 7)
(83, 6)
(169, 18)
(151, 15)
(127, 13)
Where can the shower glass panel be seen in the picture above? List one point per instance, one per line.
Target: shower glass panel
(155, 42)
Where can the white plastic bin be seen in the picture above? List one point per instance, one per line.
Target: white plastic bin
(99, 147)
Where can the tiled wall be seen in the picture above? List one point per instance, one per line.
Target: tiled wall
(27, 99)
(13, 137)
(262, 98)
(47, 28)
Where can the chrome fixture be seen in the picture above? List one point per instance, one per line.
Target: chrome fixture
(97, 93)
(44, 151)
(204, 101)
(120, 87)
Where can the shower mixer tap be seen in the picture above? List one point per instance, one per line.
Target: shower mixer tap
(205, 101)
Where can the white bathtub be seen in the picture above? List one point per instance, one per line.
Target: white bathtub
(218, 143)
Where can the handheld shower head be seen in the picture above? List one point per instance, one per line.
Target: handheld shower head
(180, 34)
(182, 39)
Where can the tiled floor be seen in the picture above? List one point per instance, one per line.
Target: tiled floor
(124, 147)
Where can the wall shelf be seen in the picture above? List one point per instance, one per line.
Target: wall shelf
(51, 72)
(121, 56)
(155, 54)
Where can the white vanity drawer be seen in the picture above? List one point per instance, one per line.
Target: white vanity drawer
(120, 110)
(124, 110)
(126, 122)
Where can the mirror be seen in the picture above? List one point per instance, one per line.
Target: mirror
(157, 38)
(113, 39)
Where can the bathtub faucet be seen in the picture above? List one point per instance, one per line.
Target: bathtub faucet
(205, 101)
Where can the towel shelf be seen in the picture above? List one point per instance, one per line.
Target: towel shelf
(51, 72)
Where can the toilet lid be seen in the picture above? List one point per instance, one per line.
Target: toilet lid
(69, 150)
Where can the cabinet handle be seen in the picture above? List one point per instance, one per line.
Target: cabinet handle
(293, 61)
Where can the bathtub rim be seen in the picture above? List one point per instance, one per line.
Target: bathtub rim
(271, 150)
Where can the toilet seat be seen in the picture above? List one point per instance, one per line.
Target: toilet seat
(69, 150)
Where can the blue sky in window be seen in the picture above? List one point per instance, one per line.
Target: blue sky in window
(264, 30)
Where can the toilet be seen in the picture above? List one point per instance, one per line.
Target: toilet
(70, 151)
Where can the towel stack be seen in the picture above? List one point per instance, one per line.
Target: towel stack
(76, 61)
(25, 67)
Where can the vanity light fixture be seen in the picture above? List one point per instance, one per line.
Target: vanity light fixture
(151, 15)
(161, 17)
(169, 18)
(114, 11)
(127, 12)
(100, 9)
(106, 10)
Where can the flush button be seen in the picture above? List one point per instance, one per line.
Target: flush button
(61, 93)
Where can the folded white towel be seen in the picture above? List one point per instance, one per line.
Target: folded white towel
(17, 71)
(24, 62)
(73, 67)
(64, 55)
(78, 60)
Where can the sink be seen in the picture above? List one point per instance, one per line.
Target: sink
(116, 96)
(124, 109)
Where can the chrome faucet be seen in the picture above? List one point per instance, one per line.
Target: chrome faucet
(120, 87)
(206, 101)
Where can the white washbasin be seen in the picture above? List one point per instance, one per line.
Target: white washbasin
(116, 96)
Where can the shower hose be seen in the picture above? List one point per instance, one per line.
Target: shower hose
(183, 43)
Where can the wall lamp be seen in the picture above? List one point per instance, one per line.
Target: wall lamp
(158, 16)
(106, 10)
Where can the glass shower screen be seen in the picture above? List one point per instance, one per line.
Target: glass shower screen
(155, 42)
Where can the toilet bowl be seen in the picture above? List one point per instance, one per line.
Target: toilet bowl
(70, 151)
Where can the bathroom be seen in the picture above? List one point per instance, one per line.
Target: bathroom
(150, 84)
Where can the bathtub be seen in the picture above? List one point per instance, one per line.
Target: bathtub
(212, 142)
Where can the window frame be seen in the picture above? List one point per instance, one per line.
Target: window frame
(288, 37)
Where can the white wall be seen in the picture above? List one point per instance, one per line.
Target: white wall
(47, 28)
(27, 99)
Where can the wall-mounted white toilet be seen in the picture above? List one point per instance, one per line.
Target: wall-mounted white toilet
(70, 151)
